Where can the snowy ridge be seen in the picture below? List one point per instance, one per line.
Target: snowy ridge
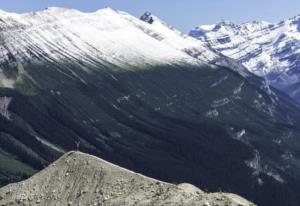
(64, 33)
(57, 34)
(266, 49)
(198, 49)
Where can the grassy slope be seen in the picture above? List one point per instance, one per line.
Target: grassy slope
(12, 169)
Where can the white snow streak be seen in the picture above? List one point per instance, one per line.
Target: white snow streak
(4, 104)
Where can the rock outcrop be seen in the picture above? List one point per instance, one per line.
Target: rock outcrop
(81, 179)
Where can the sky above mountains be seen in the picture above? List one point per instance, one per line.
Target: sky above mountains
(184, 15)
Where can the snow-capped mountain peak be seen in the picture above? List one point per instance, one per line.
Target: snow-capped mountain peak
(52, 26)
(266, 49)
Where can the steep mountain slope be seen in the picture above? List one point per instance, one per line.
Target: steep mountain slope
(80, 179)
(133, 95)
(266, 49)
(27, 37)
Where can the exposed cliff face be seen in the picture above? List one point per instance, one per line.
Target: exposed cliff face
(266, 49)
(80, 179)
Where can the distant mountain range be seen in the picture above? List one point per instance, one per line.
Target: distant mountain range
(142, 95)
(269, 50)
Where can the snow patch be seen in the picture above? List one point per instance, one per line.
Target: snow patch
(240, 134)
(256, 165)
(6, 82)
(219, 82)
(275, 176)
(277, 141)
(220, 102)
(287, 156)
(4, 104)
(124, 98)
(49, 144)
(212, 113)
(238, 90)
(260, 181)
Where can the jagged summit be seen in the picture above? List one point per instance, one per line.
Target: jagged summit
(227, 27)
(147, 17)
(80, 179)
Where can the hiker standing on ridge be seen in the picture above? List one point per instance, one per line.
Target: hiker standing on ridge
(77, 143)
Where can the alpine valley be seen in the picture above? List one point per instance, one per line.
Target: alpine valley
(146, 97)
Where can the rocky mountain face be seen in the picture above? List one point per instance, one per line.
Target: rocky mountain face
(142, 96)
(80, 179)
(269, 50)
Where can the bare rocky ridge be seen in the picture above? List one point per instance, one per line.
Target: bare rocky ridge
(81, 179)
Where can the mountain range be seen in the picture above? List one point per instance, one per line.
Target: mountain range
(269, 50)
(144, 96)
